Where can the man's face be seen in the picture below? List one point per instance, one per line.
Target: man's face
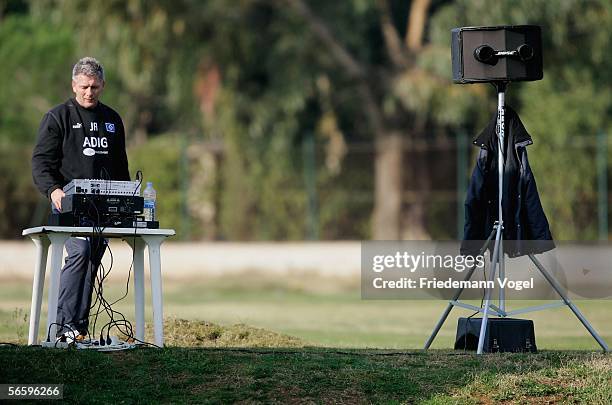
(87, 90)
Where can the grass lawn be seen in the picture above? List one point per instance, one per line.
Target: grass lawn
(221, 375)
(306, 338)
(320, 311)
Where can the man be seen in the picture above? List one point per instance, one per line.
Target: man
(79, 139)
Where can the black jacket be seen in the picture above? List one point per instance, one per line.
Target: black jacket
(525, 228)
(79, 143)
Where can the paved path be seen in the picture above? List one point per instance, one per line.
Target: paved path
(584, 266)
(213, 258)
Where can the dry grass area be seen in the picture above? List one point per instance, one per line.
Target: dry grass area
(185, 333)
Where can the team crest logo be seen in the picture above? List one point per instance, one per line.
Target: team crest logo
(110, 127)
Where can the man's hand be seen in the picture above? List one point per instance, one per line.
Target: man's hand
(56, 198)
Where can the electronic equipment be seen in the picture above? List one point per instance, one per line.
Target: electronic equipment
(117, 211)
(502, 335)
(500, 53)
(105, 220)
(102, 187)
(94, 204)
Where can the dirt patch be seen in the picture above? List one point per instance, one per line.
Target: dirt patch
(186, 333)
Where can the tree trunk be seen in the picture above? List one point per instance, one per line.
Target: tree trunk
(416, 24)
(414, 209)
(388, 187)
(402, 186)
(387, 221)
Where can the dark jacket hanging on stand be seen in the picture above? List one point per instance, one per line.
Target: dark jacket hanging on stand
(526, 228)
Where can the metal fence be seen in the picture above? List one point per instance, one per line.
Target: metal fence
(341, 206)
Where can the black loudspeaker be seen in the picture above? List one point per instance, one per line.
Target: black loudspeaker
(496, 54)
(502, 335)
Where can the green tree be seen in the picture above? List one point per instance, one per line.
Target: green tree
(36, 60)
(400, 81)
(257, 78)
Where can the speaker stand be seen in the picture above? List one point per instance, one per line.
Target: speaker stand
(497, 259)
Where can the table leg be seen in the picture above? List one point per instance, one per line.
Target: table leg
(57, 250)
(42, 249)
(138, 245)
(153, 243)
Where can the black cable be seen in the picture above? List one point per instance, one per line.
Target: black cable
(101, 276)
(127, 284)
(117, 319)
(108, 306)
(95, 266)
(58, 339)
(97, 242)
(139, 178)
(99, 290)
(135, 221)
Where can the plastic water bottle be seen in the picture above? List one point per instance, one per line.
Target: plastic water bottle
(150, 195)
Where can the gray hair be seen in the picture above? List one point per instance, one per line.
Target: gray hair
(88, 66)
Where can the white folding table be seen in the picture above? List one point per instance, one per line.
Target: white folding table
(56, 236)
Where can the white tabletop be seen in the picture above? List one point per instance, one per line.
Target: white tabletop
(88, 231)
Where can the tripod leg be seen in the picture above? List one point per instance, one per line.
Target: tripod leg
(485, 314)
(447, 311)
(502, 275)
(569, 303)
(449, 307)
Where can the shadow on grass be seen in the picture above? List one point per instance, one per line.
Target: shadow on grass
(287, 370)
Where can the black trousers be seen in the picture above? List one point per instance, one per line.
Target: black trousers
(77, 281)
